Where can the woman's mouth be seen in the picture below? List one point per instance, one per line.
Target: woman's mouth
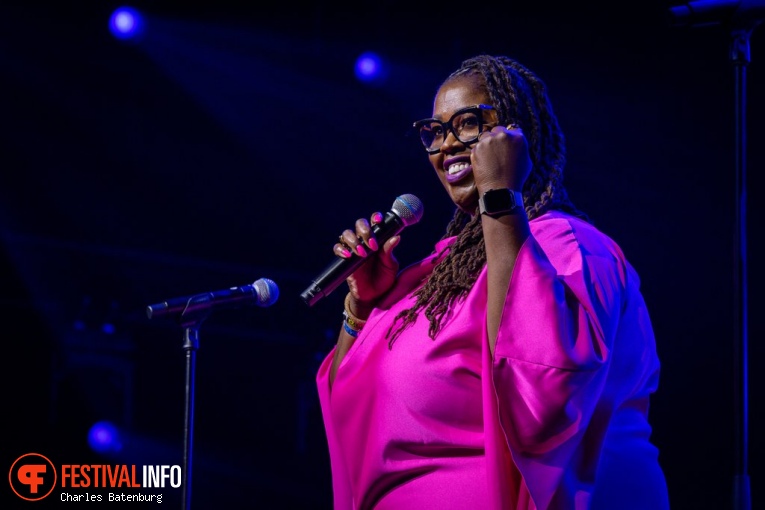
(457, 171)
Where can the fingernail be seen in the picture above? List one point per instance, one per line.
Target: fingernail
(377, 217)
(345, 252)
(361, 251)
(373, 243)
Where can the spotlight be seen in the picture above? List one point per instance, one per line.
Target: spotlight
(125, 23)
(104, 437)
(370, 68)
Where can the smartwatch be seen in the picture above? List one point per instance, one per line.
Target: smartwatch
(498, 202)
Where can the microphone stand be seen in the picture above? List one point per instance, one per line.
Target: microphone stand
(740, 57)
(191, 323)
(190, 312)
(747, 15)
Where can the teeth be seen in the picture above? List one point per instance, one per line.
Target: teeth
(457, 167)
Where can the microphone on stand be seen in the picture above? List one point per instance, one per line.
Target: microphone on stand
(263, 293)
(406, 210)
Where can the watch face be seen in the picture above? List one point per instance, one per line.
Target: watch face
(498, 200)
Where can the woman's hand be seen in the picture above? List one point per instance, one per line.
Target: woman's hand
(375, 276)
(501, 159)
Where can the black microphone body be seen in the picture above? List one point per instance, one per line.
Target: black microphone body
(263, 292)
(406, 210)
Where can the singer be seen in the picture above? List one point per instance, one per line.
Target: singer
(512, 367)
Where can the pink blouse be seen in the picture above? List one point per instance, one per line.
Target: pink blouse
(558, 419)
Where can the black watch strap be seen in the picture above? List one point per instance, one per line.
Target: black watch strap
(501, 201)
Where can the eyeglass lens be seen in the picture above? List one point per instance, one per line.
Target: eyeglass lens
(466, 126)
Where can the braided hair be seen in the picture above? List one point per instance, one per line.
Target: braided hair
(518, 96)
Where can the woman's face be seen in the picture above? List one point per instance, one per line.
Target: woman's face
(452, 161)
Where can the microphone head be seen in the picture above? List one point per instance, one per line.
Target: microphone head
(408, 208)
(267, 292)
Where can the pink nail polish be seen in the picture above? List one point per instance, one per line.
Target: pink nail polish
(377, 217)
(345, 252)
(373, 243)
(361, 251)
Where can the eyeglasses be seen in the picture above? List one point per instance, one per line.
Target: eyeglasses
(466, 124)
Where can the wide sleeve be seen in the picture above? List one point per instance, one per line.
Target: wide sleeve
(545, 382)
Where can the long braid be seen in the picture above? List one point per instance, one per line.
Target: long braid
(518, 96)
(451, 279)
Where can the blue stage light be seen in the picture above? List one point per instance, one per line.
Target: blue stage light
(125, 23)
(370, 67)
(104, 437)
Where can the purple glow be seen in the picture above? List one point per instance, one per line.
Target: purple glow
(104, 437)
(369, 67)
(125, 23)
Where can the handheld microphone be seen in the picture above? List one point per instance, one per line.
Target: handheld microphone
(407, 210)
(263, 293)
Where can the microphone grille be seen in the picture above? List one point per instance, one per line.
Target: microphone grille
(409, 208)
(267, 292)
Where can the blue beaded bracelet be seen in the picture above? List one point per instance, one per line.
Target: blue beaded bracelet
(354, 333)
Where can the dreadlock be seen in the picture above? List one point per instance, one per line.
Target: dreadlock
(518, 96)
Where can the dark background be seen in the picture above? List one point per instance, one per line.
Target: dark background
(233, 142)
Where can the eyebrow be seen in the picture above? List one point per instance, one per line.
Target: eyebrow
(461, 108)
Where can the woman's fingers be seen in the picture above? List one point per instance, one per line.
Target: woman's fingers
(341, 249)
(390, 244)
(350, 243)
(371, 240)
(386, 256)
(362, 242)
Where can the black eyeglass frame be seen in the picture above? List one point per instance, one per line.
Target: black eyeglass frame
(447, 126)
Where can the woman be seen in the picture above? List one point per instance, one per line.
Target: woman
(512, 368)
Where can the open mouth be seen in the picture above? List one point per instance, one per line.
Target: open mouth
(457, 171)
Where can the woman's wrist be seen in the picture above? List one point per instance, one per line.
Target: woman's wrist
(352, 322)
(357, 308)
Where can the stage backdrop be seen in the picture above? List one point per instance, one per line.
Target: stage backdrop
(227, 143)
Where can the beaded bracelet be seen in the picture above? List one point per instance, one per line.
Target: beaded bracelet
(348, 329)
(354, 322)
